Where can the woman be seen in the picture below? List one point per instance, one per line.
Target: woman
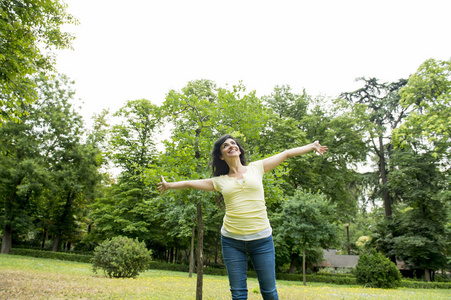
(246, 229)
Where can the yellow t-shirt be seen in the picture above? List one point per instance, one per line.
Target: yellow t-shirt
(245, 203)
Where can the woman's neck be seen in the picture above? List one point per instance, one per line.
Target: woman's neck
(235, 167)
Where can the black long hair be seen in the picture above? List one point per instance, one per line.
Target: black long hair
(219, 166)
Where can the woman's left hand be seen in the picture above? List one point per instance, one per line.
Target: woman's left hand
(318, 148)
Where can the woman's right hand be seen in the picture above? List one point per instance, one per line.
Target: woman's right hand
(163, 186)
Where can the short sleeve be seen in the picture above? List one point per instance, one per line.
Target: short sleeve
(215, 183)
(259, 166)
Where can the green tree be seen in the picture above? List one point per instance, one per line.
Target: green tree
(21, 172)
(428, 95)
(124, 209)
(299, 118)
(421, 179)
(419, 237)
(26, 26)
(200, 113)
(46, 167)
(307, 222)
(385, 114)
(72, 163)
(192, 114)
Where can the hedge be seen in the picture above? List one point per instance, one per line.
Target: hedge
(185, 268)
(425, 285)
(325, 278)
(52, 255)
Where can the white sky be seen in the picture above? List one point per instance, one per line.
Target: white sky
(134, 49)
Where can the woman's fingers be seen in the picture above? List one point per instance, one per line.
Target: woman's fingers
(161, 185)
(320, 149)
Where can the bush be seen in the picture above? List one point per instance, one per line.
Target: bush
(121, 257)
(376, 270)
(442, 277)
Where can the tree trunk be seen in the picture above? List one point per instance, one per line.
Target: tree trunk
(191, 253)
(200, 252)
(383, 171)
(385, 194)
(56, 241)
(347, 239)
(171, 255)
(66, 211)
(44, 238)
(427, 275)
(303, 266)
(292, 266)
(217, 245)
(7, 238)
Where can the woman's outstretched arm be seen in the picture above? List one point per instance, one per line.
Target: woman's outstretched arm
(200, 184)
(275, 160)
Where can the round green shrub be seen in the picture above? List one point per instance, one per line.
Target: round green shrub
(121, 257)
(375, 270)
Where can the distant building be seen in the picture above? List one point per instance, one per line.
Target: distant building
(332, 260)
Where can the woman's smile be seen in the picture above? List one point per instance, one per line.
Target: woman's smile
(230, 148)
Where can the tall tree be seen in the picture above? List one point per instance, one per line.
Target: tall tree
(25, 27)
(200, 113)
(47, 143)
(20, 166)
(385, 114)
(71, 162)
(301, 118)
(192, 113)
(124, 210)
(75, 175)
(422, 175)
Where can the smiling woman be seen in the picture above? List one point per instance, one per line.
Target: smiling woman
(246, 229)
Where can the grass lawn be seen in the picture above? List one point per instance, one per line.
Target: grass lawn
(35, 278)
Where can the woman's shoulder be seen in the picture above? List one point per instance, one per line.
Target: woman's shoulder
(257, 165)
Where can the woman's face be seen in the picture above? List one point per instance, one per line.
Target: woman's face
(230, 149)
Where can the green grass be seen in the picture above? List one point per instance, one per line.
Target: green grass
(37, 278)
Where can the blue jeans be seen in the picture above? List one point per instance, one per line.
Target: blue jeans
(261, 252)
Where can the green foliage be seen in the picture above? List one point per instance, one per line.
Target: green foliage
(425, 285)
(306, 221)
(428, 95)
(121, 257)
(45, 167)
(52, 255)
(383, 114)
(376, 270)
(123, 208)
(417, 232)
(344, 279)
(298, 119)
(25, 28)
